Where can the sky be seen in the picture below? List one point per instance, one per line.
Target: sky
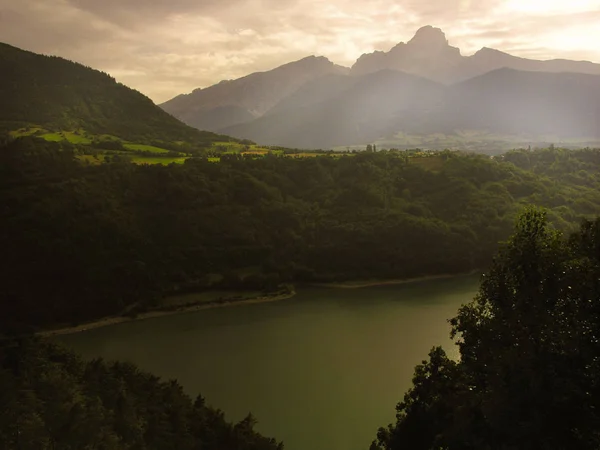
(167, 47)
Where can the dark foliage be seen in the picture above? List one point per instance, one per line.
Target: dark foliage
(530, 357)
(51, 399)
(81, 242)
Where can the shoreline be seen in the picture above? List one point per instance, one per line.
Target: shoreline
(115, 320)
(107, 321)
(375, 283)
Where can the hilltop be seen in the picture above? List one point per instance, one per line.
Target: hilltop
(49, 94)
(236, 101)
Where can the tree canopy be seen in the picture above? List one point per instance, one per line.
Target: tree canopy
(85, 241)
(51, 399)
(529, 368)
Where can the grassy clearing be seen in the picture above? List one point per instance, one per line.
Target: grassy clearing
(302, 155)
(255, 152)
(25, 132)
(81, 137)
(236, 147)
(156, 160)
(53, 137)
(76, 137)
(314, 154)
(229, 147)
(145, 148)
(266, 150)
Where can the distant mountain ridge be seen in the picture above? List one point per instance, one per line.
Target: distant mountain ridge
(246, 107)
(384, 103)
(428, 54)
(361, 111)
(235, 101)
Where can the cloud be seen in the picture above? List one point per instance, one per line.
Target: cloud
(167, 47)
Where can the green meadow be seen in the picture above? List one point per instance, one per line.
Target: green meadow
(137, 159)
(145, 148)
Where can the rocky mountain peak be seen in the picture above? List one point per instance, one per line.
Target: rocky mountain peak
(429, 37)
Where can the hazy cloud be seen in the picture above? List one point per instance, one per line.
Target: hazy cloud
(166, 47)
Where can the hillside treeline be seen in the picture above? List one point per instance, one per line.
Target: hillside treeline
(51, 399)
(529, 368)
(82, 241)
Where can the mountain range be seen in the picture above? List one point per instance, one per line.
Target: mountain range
(421, 87)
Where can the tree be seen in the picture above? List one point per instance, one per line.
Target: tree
(53, 400)
(530, 360)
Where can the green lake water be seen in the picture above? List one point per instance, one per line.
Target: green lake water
(320, 371)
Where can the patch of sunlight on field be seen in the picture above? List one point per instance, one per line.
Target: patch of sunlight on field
(157, 160)
(76, 138)
(22, 132)
(145, 148)
(255, 152)
(53, 137)
(315, 154)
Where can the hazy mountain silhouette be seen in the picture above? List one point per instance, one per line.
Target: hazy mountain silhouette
(244, 99)
(319, 90)
(535, 103)
(429, 54)
(314, 103)
(371, 106)
(384, 103)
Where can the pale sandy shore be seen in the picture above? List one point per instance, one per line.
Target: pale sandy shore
(151, 314)
(229, 303)
(374, 283)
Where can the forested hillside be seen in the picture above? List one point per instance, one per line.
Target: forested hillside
(530, 360)
(51, 399)
(57, 94)
(85, 241)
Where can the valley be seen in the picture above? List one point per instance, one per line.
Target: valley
(315, 244)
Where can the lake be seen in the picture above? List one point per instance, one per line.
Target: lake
(320, 371)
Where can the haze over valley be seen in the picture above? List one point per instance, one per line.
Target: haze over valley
(421, 93)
